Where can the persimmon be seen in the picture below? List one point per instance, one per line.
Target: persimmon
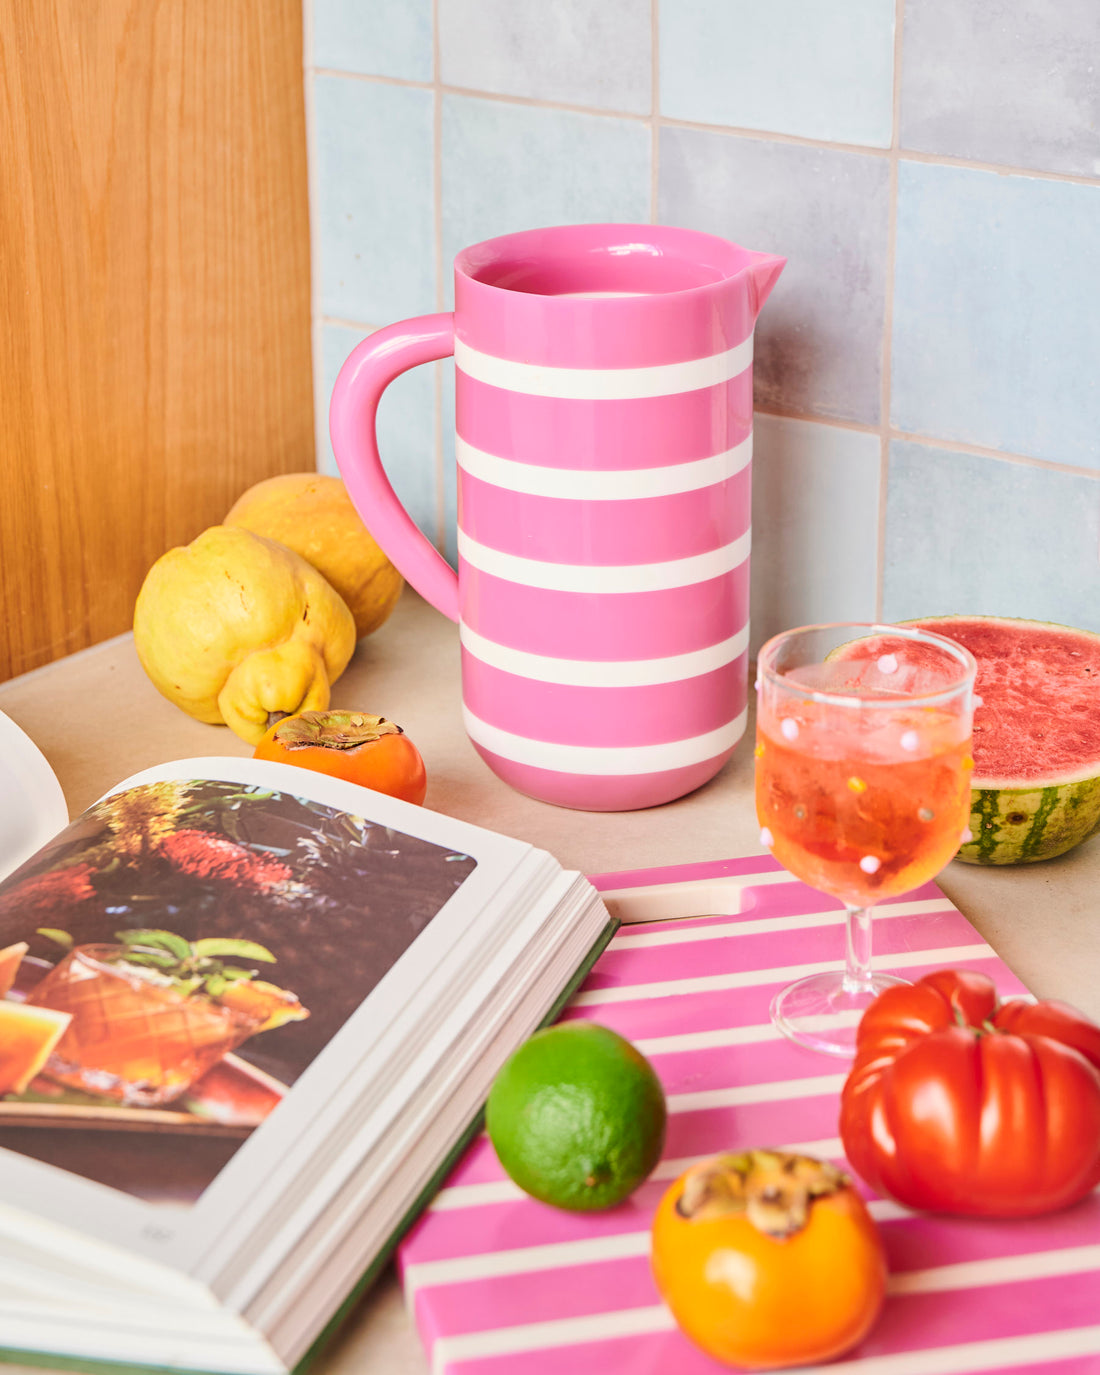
(768, 1259)
(368, 750)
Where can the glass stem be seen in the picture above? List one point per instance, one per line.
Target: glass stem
(857, 968)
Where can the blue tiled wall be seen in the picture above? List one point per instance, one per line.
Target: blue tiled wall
(928, 368)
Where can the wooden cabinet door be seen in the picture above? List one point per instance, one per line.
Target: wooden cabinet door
(154, 293)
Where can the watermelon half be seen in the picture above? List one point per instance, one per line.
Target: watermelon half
(1036, 784)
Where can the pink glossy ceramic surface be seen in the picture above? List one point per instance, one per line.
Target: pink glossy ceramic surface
(499, 1283)
(604, 440)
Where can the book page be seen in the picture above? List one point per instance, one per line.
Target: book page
(179, 957)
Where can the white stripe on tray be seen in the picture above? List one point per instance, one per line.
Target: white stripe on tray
(602, 484)
(963, 1358)
(604, 672)
(776, 1091)
(564, 1255)
(453, 1197)
(524, 1260)
(615, 578)
(970, 1274)
(603, 384)
(748, 978)
(539, 1336)
(724, 1037)
(759, 926)
(604, 760)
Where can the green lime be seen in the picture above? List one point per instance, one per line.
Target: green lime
(577, 1116)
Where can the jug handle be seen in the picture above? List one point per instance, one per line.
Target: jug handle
(368, 371)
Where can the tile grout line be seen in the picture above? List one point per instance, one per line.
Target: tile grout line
(959, 446)
(345, 323)
(1001, 169)
(980, 451)
(440, 267)
(736, 131)
(499, 97)
(655, 110)
(888, 313)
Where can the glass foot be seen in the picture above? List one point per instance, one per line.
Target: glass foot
(819, 1012)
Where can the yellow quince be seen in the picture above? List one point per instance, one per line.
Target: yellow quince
(233, 627)
(312, 514)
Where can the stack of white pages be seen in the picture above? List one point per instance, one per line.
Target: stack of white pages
(249, 1015)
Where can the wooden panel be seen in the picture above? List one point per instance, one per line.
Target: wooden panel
(154, 293)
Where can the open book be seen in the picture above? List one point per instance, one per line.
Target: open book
(249, 1016)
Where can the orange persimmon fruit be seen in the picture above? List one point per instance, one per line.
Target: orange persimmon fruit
(363, 749)
(768, 1259)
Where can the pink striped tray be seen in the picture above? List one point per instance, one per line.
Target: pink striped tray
(499, 1283)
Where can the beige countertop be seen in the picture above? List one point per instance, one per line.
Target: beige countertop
(97, 719)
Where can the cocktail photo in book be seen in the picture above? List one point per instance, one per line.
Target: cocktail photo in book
(176, 958)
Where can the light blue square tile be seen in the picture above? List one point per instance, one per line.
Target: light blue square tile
(1005, 81)
(819, 338)
(579, 52)
(997, 312)
(976, 535)
(511, 167)
(374, 37)
(374, 212)
(406, 428)
(815, 519)
(821, 71)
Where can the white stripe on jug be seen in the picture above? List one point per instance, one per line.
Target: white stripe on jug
(617, 761)
(602, 577)
(604, 672)
(724, 930)
(586, 484)
(962, 1358)
(747, 978)
(603, 384)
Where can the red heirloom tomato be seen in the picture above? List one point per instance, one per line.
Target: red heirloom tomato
(959, 1104)
(363, 749)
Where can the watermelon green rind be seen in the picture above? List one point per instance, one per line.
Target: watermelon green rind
(1021, 825)
(1018, 822)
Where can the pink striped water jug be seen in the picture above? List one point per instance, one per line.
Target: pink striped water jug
(603, 405)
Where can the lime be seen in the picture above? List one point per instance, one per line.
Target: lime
(577, 1116)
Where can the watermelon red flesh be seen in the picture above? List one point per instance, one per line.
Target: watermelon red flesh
(1039, 720)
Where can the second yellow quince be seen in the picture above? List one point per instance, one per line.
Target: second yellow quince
(233, 627)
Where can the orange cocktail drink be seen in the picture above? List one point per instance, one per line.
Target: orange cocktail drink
(133, 1038)
(856, 813)
(862, 789)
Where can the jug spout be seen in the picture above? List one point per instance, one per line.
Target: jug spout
(764, 271)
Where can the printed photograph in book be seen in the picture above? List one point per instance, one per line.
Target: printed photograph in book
(175, 959)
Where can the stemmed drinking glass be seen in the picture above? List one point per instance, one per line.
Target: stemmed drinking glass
(862, 788)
